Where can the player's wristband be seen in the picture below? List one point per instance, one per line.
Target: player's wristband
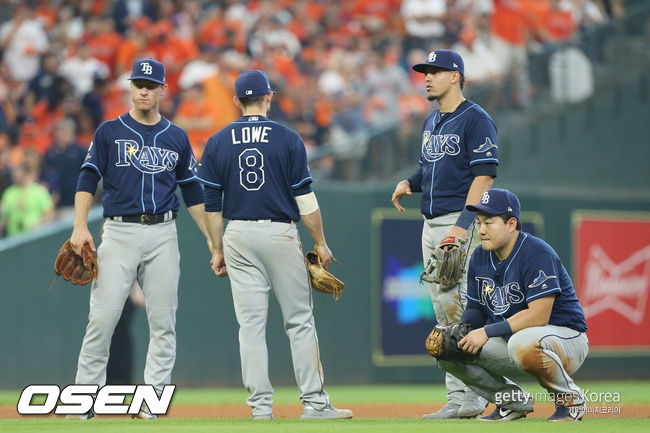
(498, 329)
(465, 219)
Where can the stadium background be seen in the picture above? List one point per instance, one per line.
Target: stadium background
(573, 127)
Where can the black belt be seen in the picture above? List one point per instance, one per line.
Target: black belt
(146, 219)
(273, 220)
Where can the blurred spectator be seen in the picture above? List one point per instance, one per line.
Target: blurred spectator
(5, 171)
(198, 116)
(47, 84)
(81, 70)
(424, 23)
(125, 12)
(102, 40)
(62, 164)
(93, 101)
(25, 204)
(22, 40)
(511, 31)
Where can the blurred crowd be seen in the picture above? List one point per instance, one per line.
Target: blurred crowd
(340, 68)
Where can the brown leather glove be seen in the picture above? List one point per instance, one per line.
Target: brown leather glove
(74, 268)
(321, 280)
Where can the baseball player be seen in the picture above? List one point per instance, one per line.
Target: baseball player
(141, 157)
(260, 169)
(525, 314)
(458, 161)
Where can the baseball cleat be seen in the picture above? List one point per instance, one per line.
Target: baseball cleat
(88, 415)
(503, 414)
(448, 411)
(473, 406)
(145, 413)
(329, 412)
(263, 417)
(568, 413)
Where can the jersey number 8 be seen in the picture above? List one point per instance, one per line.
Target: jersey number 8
(251, 169)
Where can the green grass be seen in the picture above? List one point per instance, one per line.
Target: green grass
(387, 425)
(631, 392)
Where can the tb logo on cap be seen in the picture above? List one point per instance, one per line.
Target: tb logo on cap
(432, 57)
(485, 199)
(147, 68)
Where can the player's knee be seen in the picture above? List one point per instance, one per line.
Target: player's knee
(525, 351)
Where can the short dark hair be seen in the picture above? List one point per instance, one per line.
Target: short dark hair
(505, 217)
(252, 100)
(462, 81)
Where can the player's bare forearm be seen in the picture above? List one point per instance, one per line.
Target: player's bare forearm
(83, 201)
(314, 225)
(479, 185)
(198, 215)
(538, 313)
(214, 229)
(403, 188)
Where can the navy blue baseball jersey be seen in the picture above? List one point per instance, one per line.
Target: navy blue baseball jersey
(456, 147)
(259, 165)
(531, 271)
(141, 165)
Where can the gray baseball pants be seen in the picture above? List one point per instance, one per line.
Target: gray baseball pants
(130, 252)
(263, 258)
(547, 353)
(448, 302)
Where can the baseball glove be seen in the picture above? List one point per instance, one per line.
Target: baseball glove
(442, 342)
(321, 280)
(74, 268)
(447, 263)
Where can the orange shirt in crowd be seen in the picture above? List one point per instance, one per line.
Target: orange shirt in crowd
(104, 46)
(509, 21)
(559, 24)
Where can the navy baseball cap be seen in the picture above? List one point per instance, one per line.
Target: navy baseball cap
(442, 59)
(252, 83)
(148, 69)
(496, 201)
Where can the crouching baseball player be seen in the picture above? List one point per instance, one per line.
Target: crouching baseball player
(525, 318)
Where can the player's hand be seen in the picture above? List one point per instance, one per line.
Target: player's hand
(81, 236)
(218, 264)
(457, 232)
(325, 255)
(403, 188)
(473, 341)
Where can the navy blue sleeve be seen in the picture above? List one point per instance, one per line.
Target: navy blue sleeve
(488, 169)
(481, 141)
(186, 167)
(213, 199)
(472, 288)
(97, 158)
(299, 170)
(208, 172)
(305, 189)
(540, 276)
(416, 181)
(192, 193)
(88, 180)
(474, 315)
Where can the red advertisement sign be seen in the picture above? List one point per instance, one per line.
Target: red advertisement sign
(613, 279)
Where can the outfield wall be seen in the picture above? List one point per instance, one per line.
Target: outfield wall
(41, 331)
